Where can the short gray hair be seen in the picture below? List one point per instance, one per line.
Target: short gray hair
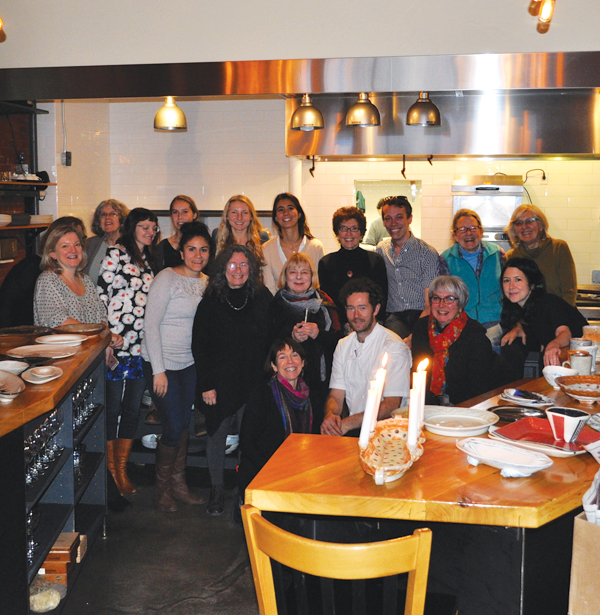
(452, 284)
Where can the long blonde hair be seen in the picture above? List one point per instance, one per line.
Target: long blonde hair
(225, 235)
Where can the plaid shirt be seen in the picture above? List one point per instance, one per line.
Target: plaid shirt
(409, 272)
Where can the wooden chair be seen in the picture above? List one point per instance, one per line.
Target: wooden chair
(328, 560)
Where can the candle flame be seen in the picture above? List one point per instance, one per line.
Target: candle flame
(384, 360)
(423, 365)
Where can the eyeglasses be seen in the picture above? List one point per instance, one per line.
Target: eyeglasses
(352, 229)
(461, 230)
(111, 214)
(528, 222)
(449, 300)
(234, 266)
(154, 229)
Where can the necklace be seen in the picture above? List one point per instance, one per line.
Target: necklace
(237, 309)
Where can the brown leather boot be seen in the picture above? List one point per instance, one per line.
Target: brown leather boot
(122, 451)
(179, 488)
(165, 460)
(110, 459)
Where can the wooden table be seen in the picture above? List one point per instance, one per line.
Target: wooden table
(482, 551)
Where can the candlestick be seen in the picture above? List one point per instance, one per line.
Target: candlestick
(370, 413)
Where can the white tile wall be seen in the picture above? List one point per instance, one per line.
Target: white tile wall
(238, 146)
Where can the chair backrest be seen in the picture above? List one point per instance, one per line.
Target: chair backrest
(335, 561)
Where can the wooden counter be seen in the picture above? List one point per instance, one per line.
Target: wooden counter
(38, 399)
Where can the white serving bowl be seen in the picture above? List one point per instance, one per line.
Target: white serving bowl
(14, 367)
(552, 372)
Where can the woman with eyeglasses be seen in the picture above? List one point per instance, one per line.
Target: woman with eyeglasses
(528, 233)
(548, 322)
(293, 235)
(351, 261)
(125, 277)
(230, 340)
(462, 363)
(478, 263)
(106, 225)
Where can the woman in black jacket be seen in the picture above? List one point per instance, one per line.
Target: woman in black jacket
(274, 410)
(229, 342)
(462, 363)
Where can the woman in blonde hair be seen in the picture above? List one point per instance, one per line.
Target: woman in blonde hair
(240, 226)
(528, 233)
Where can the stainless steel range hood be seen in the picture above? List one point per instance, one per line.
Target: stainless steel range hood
(510, 124)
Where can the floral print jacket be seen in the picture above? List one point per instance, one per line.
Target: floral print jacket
(123, 287)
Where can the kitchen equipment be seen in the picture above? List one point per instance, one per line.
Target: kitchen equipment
(567, 423)
(458, 422)
(552, 372)
(585, 389)
(581, 361)
(494, 198)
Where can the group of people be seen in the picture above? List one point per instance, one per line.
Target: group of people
(269, 336)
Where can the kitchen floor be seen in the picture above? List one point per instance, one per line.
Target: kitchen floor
(181, 563)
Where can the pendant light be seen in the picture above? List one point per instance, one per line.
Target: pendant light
(307, 117)
(170, 117)
(423, 112)
(545, 16)
(363, 113)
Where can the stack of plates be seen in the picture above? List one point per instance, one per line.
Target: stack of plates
(5, 220)
(72, 339)
(513, 396)
(39, 219)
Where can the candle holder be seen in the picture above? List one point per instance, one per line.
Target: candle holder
(387, 456)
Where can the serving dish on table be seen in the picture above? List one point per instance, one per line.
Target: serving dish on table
(10, 386)
(62, 339)
(458, 422)
(41, 375)
(585, 389)
(89, 329)
(512, 461)
(42, 350)
(14, 367)
(536, 434)
(526, 398)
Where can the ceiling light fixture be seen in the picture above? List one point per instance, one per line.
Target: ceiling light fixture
(545, 15)
(423, 112)
(534, 7)
(307, 117)
(170, 117)
(363, 113)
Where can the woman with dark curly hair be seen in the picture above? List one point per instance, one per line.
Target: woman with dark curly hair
(229, 343)
(351, 261)
(548, 322)
(107, 223)
(293, 236)
(125, 277)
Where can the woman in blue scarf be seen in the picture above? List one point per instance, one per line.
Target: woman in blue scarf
(274, 410)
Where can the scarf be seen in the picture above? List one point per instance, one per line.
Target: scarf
(440, 343)
(312, 301)
(293, 404)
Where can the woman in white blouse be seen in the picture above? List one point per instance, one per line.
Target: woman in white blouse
(293, 236)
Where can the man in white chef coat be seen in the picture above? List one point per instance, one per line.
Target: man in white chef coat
(357, 358)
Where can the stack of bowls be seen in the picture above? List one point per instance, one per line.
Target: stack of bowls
(5, 219)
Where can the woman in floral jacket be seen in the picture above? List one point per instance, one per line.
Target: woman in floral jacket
(125, 277)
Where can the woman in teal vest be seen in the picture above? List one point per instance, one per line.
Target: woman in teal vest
(479, 265)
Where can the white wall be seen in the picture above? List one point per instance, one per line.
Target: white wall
(88, 32)
(238, 147)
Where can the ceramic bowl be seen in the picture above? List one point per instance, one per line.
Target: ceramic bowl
(567, 423)
(585, 389)
(552, 372)
(14, 367)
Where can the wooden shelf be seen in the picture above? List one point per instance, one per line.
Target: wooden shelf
(21, 228)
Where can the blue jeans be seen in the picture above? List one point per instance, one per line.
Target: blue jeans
(126, 405)
(175, 408)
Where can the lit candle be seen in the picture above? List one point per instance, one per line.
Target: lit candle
(420, 383)
(372, 405)
(413, 420)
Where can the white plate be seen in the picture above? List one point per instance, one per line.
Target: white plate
(42, 350)
(41, 375)
(14, 367)
(72, 339)
(10, 386)
(150, 440)
(551, 451)
(511, 460)
(458, 422)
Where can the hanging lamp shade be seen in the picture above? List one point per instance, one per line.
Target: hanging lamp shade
(307, 117)
(170, 117)
(423, 112)
(363, 113)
